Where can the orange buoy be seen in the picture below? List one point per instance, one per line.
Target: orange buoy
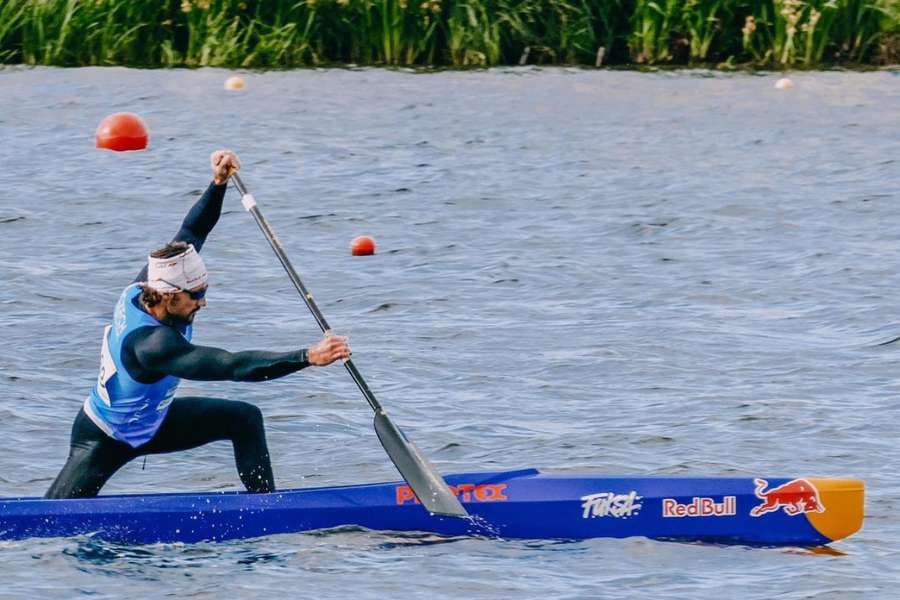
(362, 246)
(234, 83)
(122, 131)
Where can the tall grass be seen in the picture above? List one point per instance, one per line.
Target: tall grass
(288, 33)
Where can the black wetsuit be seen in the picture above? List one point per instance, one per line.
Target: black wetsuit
(151, 353)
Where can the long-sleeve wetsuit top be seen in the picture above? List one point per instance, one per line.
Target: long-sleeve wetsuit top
(151, 353)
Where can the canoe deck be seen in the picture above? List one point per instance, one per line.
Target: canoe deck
(514, 504)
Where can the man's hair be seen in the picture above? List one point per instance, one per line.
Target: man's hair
(149, 296)
(169, 250)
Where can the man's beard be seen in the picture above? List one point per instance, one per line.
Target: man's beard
(184, 321)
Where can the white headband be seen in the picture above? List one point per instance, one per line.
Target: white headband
(184, 271)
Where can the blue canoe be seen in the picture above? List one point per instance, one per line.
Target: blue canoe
(515, 504)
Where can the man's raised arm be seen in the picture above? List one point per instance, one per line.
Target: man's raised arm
(205, 213)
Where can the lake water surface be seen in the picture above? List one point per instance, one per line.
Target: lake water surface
(618, 272)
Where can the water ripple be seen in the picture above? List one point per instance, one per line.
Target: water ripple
(659, 273)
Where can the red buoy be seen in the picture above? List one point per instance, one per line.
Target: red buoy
(122, 131)
(362, 246)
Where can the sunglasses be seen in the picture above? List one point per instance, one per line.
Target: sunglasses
(196, 294)
(192, 294)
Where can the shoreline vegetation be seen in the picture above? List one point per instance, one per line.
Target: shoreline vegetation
(768, 34)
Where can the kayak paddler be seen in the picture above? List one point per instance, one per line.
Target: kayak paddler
(132, 410)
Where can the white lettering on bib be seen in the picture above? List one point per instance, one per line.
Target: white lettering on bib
(107, 368)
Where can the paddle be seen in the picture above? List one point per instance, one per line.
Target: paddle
(421, 476)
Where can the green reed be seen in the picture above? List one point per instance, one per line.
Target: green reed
(290, 33)
(702, 22)
(791, 32)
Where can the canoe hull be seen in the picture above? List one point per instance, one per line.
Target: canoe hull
(517, 504)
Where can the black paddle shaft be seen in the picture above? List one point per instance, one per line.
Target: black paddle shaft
(304, 293)
(421, 476)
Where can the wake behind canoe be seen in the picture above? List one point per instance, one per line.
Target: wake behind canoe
(515, 504)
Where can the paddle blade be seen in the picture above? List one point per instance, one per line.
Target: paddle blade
(429, 486)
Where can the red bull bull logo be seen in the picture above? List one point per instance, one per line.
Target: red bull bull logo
(796, 497)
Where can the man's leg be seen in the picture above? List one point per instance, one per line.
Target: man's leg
(195, 421)
(93, 458)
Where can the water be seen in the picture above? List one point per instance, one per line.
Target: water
(668, 273)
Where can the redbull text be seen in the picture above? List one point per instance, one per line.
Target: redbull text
(795, 497)
(700, 507)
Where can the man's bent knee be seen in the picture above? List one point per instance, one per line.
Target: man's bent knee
(248, 418)
(248, 412)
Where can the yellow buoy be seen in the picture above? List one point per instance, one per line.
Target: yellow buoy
(234, 83)
(784, 84)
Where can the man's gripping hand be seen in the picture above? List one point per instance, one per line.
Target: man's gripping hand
(330, 349)
(224, 164)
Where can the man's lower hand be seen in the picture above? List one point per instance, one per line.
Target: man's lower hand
(330, 349)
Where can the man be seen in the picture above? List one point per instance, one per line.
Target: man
(131, 410)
